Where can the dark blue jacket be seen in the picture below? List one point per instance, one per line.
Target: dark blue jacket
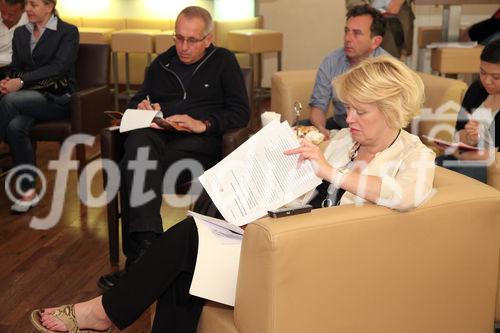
(54, 55)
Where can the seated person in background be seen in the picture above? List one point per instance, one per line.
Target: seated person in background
(198, 87)
(478, 120)
(398, 38)
(12, 16)
(484, 31)
(44, 51)
(382, 95)
(363, 34)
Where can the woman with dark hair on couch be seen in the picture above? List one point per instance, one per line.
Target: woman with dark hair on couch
(374, 160)
(478, 120)
(38, 88)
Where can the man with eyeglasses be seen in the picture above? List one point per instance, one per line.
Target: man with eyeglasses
(201, 92)
(363, 34)
(12, 16)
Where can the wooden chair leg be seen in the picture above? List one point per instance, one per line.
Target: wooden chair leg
(113, 216)
(113, 237)
(80, 156)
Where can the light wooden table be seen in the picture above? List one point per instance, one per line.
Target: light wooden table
(451, 15)
(455, 60)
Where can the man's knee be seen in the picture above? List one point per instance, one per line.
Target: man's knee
(144, 137)
(137, 139)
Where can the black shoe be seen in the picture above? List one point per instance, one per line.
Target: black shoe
(108, 281)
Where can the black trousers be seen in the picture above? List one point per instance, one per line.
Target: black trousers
(163, 274)
(161, 149)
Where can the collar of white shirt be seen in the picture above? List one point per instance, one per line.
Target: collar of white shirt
(51, 24)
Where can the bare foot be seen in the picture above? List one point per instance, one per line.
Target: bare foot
(89, 315)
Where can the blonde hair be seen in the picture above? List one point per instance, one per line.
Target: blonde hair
(197, 12)
(396, 90)
(54, 2)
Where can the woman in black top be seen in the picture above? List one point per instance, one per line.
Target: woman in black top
(38, 88)
(478, 120)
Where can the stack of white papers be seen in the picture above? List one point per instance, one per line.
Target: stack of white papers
(258, 176)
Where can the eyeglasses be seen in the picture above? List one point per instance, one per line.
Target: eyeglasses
(190, 40)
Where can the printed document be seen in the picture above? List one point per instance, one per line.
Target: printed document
(258, 176)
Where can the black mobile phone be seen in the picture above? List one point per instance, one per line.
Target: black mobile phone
(289, 211)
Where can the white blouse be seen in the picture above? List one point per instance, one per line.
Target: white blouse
(406, 168)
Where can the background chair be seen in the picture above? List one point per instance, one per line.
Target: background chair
(297, 85)
(112, 143)
(87, 104)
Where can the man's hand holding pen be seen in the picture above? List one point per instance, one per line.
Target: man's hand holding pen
(146, 104)
(179, 122)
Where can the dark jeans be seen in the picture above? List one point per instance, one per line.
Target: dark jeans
(473, 169)
(163, 274)
(19, 112)
(163, 149)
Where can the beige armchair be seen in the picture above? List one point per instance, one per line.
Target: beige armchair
(443, 97)
(493, 176)
(290, 86)
(351, 269)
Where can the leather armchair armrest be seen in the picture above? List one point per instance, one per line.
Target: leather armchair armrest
(232, 139)
(494, 174)
(112, 143)
(94, 101)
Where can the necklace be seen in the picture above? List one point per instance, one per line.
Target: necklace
(353, 153)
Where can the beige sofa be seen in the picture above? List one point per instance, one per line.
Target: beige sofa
(443, 98)
(351, 269)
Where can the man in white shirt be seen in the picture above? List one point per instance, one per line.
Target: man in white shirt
(12, 16)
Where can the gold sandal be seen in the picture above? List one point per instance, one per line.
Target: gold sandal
(66, 314)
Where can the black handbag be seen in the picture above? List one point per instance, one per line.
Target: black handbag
(53, 86)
